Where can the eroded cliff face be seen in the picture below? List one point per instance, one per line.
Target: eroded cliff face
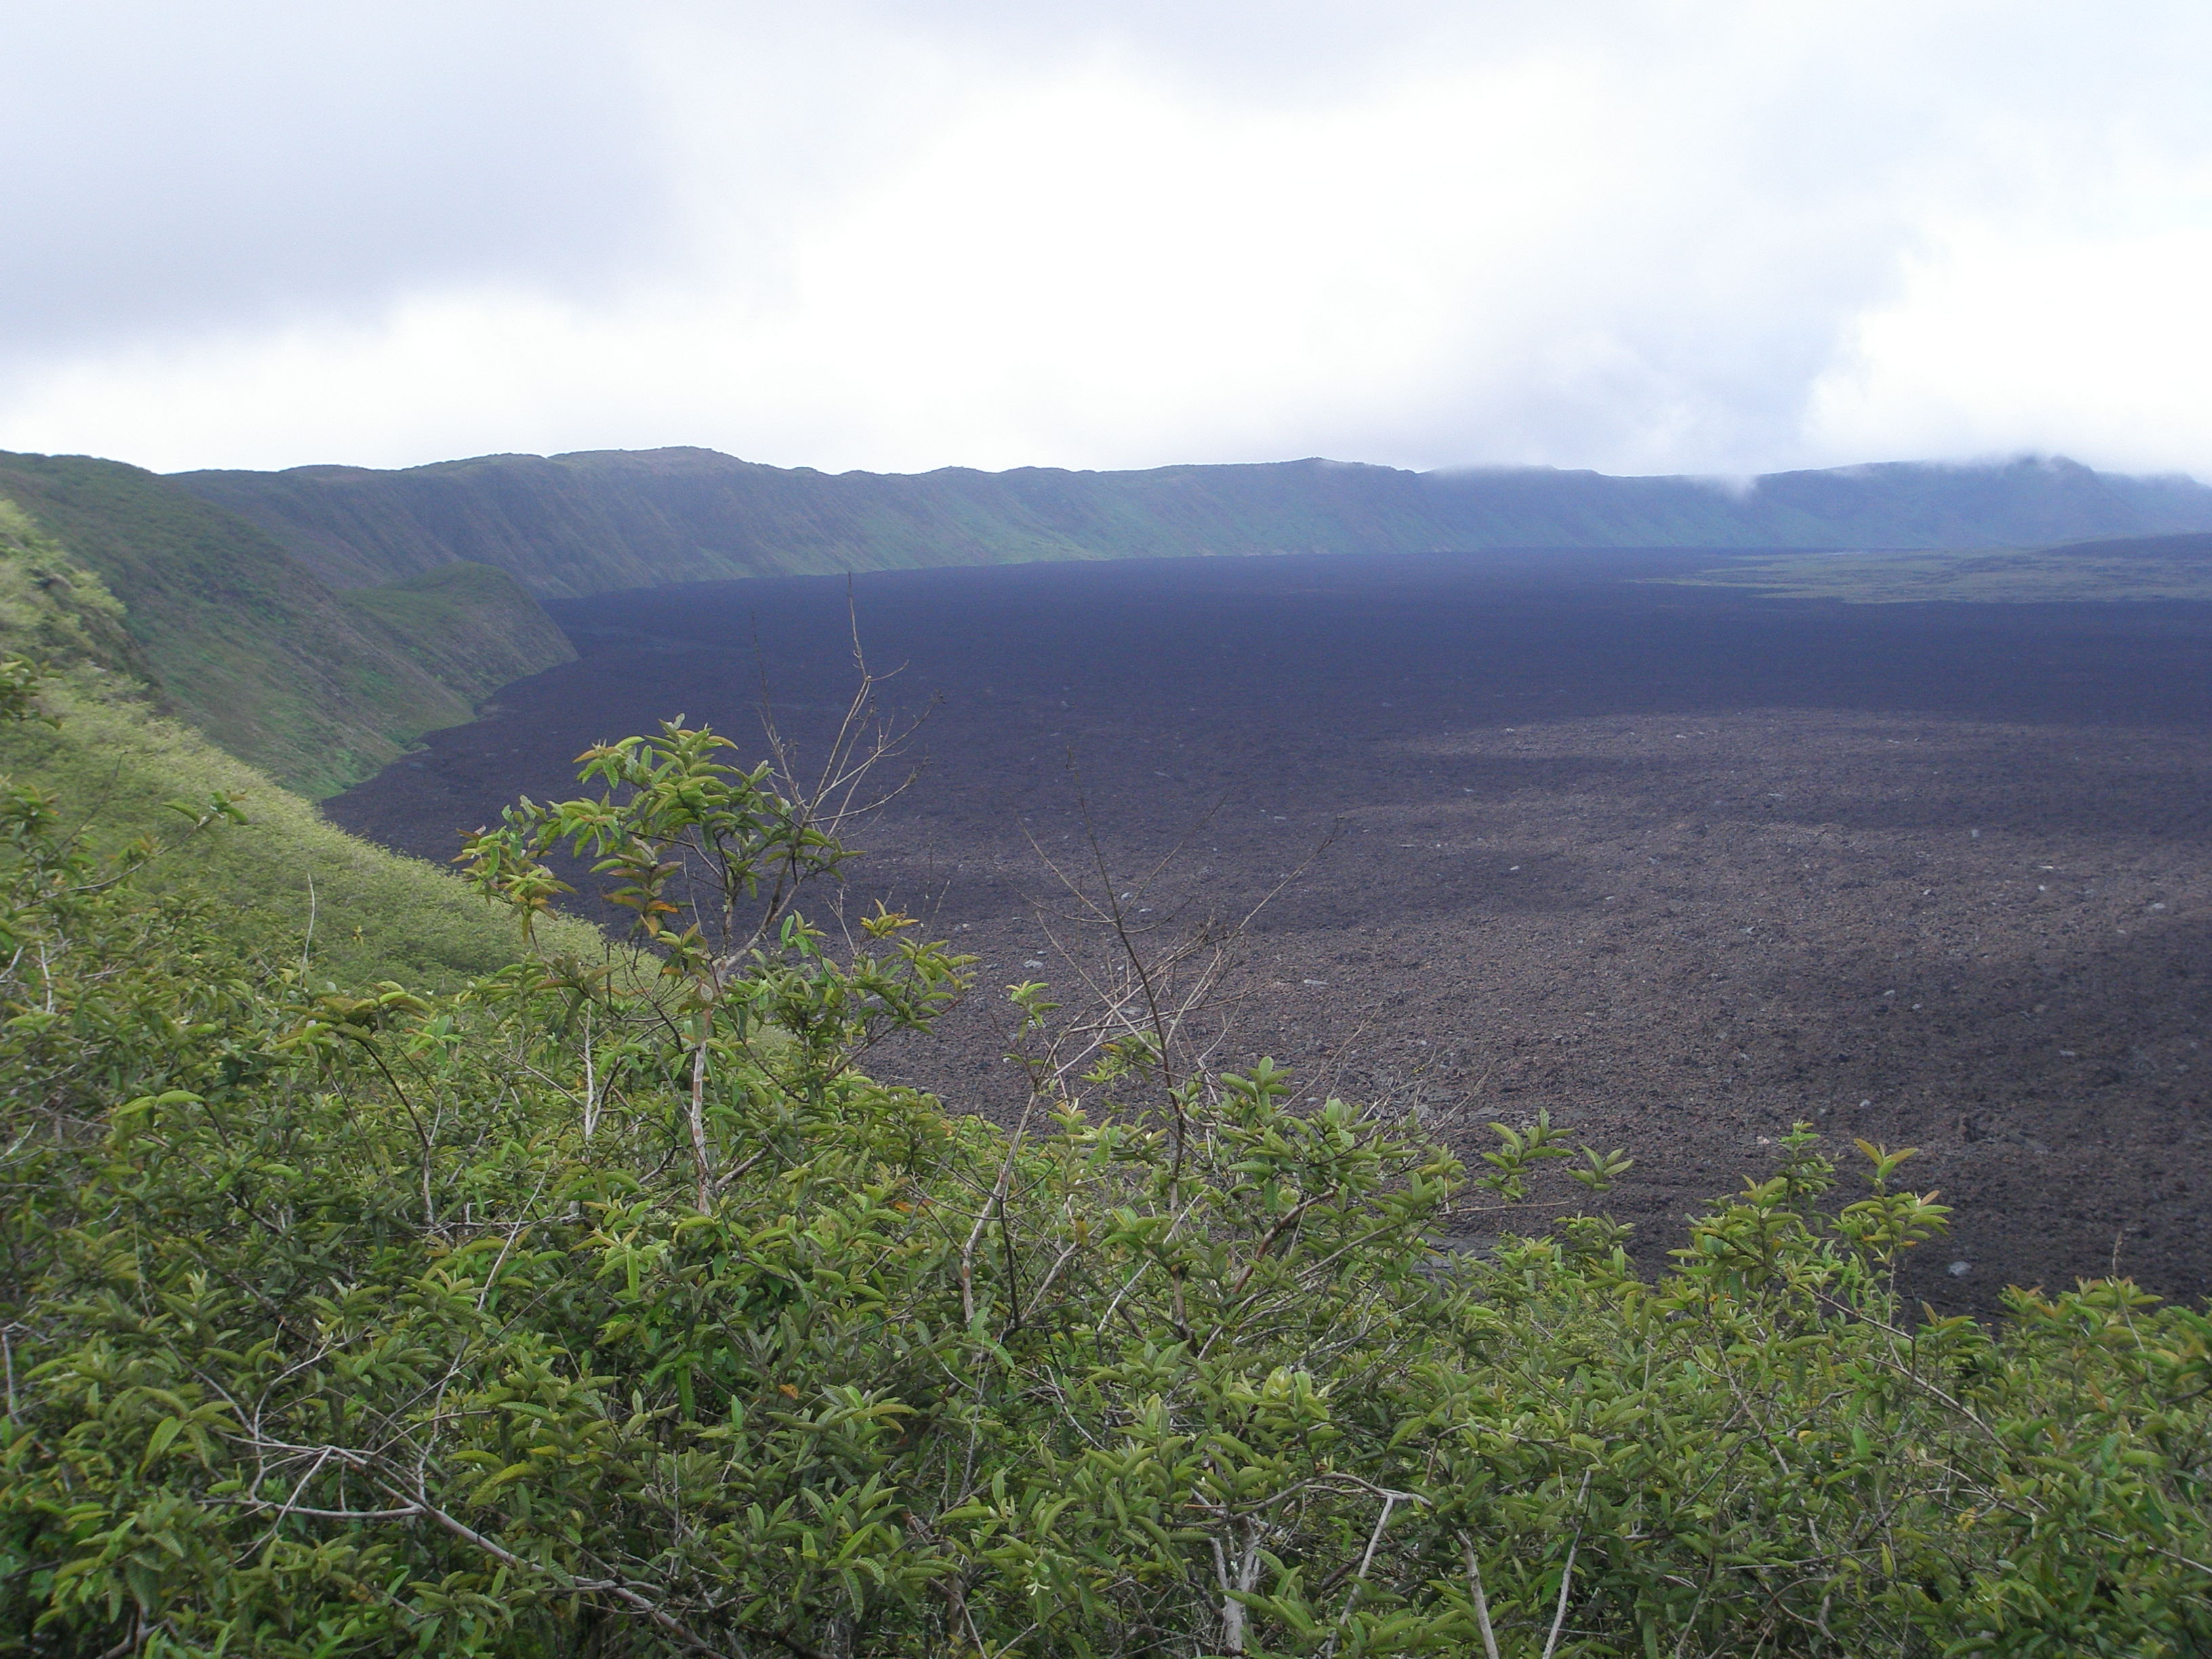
(594, 521)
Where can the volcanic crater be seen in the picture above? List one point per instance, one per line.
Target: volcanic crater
(1681, 864)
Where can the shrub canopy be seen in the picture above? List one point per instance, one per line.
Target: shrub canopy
(608, 1307)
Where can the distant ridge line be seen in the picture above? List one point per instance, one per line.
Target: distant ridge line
(595, 520)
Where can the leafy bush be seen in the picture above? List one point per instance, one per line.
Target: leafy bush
(607, 1307)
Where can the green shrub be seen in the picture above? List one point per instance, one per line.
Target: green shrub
(607, 1307)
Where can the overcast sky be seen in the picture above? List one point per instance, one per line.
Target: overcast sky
(1712, 238)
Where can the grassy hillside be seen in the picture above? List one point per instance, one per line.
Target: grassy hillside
(471, 626)
(115, 760)
(2142, 568)
(114, 763)
(259, 653)
(54, 611)
(572, 525)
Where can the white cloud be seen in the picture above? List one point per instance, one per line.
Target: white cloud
(231, 165)
(897, 235)
(2081, 313)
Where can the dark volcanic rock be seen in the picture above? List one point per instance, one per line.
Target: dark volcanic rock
(1680, 864)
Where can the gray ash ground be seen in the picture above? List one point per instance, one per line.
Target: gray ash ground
(1680, 864)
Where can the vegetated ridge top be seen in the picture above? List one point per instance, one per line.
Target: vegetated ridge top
(592, 521)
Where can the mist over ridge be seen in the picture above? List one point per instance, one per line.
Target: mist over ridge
(592, 521)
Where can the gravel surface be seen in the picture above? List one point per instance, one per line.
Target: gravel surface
(1680, 864)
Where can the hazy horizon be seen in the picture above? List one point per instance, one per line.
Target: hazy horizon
(1726, 482)
(892, 236)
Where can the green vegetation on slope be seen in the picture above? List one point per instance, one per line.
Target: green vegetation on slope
(51, 609)
(583, 1316)
(2142, 568)
(113, 764)
(114, 761)
(259, 653)
(471, 627)
(572, 525)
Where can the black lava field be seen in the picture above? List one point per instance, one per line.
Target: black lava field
(1681, 865)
